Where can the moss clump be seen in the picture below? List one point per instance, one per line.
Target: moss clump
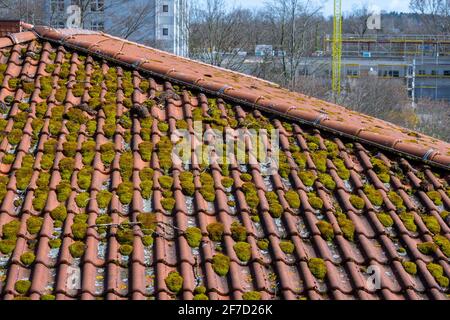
(34, 224)
(327, 181)
(408, 220)
(435, 196)
(103, 199)
(22, 286)
(48, 297)
(148, 222)
(174, 282)
(187, 183)
(146, 150)
(126, 165)
(347, 227)
(293, 199)
(215, 231)
(410, 267)
(63, 190)
(9, 159)
(227, 182)
(444, 214)
(427, 248)
(82, 199)
(318, 268)
(252, 296)
(320, 160)
(85, 177)
(275, 208)
(125, 250)
(165, 182)
(221, 264)
(263, 244)
(308, 178)
(79, 230)
(357, 202)
(443, 243)
(168, 203)
(315, 202)
(15, 136)
(385, 220)
(374, 195)
(125, 235)
(207, 190)
(66, 167)
(432, 224)
(59, 213)
(88, 151)
(396, 200)
(238, 232)
(125, 192)
(200, 296)
(381, 169)
(108, 153)
(243, 251)
(146, 185)
(28, 87)
(54, 243)
(70, 149)
(326, 229)
(287, 247)
(193, 237)
(76, 249)
(163, 127)
(438, 273)
(27, 258)
(7, 246)
(147, 241)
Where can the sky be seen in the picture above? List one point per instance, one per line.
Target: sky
(347, 5)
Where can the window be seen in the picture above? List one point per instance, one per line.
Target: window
(421, 72)
(352, 73)
(165, 8)
(165, 31)
(97, 26)
(58, 24)
(57, 5)
(446, 72)
(433, 72)
(391, 73)
(97, 5)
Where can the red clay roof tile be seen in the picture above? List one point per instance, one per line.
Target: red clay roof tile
(108, 170)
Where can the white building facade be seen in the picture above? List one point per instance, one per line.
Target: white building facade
(162, 24)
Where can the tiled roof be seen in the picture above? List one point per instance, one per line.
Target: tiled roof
(86, 125)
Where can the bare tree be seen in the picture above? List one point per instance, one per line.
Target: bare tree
(217, 33)
(356, 21)
(292, 24)
(434, 14)
(31, 11)
(434, 117)
(131, 19)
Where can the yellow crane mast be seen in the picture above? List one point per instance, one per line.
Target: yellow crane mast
(337, 48)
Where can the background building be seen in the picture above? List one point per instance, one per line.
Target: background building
(159, 23)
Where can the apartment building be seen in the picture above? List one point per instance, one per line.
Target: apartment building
(158, 23)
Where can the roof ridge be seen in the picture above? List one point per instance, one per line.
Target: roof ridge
(258, 93)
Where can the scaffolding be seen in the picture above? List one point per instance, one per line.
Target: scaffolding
(392, 46)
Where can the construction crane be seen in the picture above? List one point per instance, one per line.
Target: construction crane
(337, 49)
